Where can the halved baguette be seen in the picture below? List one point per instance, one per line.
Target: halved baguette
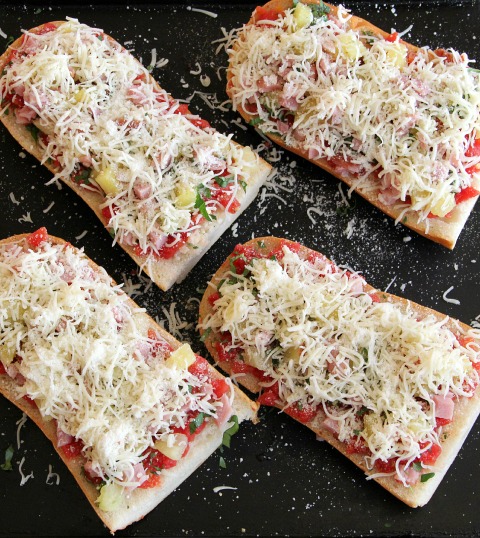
(164, 271)
(139, 502)
(444, 229)
(248, 354)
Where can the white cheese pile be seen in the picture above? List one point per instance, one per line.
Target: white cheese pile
(360, 99)
(87, 359)
(374, 367)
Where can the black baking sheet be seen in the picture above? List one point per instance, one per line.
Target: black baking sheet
(285, 482)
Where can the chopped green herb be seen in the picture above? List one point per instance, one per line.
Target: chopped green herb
(37, 11)
(255, 121)
(197, 422)
(200, 205)
(320, 11)
(223, 181)
(206, 334)
(425, 477)
(417, 466)
(364, 353)
(10, 40)
(244, 185)
(474, 70)
(227, 434)
(362, 411)
(221, 463)
(275, 363)
(7, 466)
(33, 130)
(111, 232)
(220, 284)
(261, 244)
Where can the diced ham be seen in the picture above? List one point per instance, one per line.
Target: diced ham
(357, 285)
(157, 239)
(25, 115)
(439, 171)
(337, 116)
(129, 239)
(136, 95)
(407, 125)
(282, 127)
(444, 406)
(225, 411)
(63, 438)
(86, 160)
(345, 167)
(299, 135)
(30, 44)
(117, 314)
(270, 83)
(313, 153)
(410, 476)
(142, 189)
(92, 470)
(142, 350)
(389, 196)
(290, 103)
(331, 425)
(68, 273)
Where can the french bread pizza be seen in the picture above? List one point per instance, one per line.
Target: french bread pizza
(161, 179)
(400, 125)
(130, 410)
(389, 383)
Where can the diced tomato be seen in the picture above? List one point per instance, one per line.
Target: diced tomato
(73, 449)
(200, 368)
(429, 457)
(357, 445)
(200, 123)
(269, 396)
(265, 14)
(168, 251)
(386, 466)
(153, 481)
(45, 29)
(240, 367)
(158, 345)
(239, 264)
(392, 37)
(2, 369)
(314, 257)
(302, 412)
(155, 461)
(108, 212)
(466, 194)
(249, 253)
(441, 421)
(213, 298)
(474, 149)
(411, 55)
(182, 109)
(291, 245)
(225, 355)
(220, 387)
(225, 197)
(38, 237)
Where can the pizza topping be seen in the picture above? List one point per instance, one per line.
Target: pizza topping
(107, 126)
(385, 380)
(121, 397)
(368, 105)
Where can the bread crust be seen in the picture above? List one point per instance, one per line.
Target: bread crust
(141, 501)
(164, 272)
(441, 230)
(465, 413)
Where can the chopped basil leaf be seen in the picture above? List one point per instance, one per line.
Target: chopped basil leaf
(320, 11)
(227, 434)
(255, 121)
(417, 466)
(362, 411)
(33, 130)
(200, 205)
(244, 185)
(7, 466)
(364, 353)
(197, 422)
(10, 40)
(37, 11)
(221, 463)
(474, 70)
(425, 477)
(223, 181)
(261, 244)
(357, 432)
(206, 334)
